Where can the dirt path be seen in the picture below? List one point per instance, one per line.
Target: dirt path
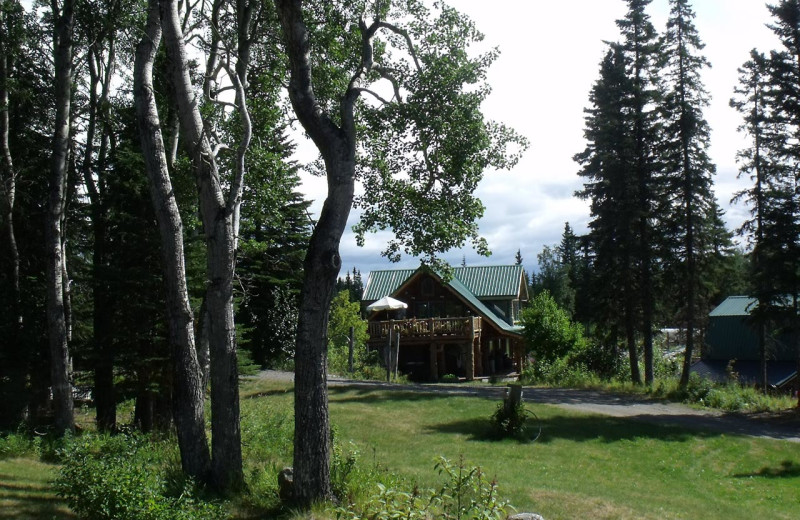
(771, 426)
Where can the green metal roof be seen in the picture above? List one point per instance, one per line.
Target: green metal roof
(385, 283)
(735, 306)
(497, 281)
(465, 293)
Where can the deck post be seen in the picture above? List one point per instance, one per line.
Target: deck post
(350, 340)
(396, 359)
(434, 373)
(477, 356)
(388, 357)
(470, 365)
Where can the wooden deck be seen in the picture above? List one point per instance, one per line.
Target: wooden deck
(465, 329)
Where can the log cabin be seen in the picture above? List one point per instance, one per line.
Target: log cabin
(465, 326)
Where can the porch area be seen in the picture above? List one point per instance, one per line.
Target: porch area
(429, 348)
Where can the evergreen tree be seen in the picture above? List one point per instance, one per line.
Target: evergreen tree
(688, 172)
(611, 186)
(768, 97)
(783, 235)
(641, 47)
(274, 237)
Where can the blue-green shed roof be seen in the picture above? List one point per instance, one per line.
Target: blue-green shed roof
(486, 282)
(735, 306)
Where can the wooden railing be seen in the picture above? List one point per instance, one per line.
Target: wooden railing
(427, 327)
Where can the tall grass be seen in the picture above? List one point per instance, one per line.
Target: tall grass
(729, 397)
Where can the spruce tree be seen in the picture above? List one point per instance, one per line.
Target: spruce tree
(641, 46)
(688, 170)
(768, 97)
(753, 102)
(611, 186)
(785, 188)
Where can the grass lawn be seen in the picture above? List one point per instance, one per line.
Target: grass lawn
(25, 492)
(583, 466)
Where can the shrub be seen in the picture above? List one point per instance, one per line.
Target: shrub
(549, 332)
(125, 477)
(267, 442)
(565, 372)
(509, 420)
(343, 315)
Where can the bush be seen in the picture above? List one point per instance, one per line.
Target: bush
(549, 332)
(126, 477)
(564, 372)
(343, 315)
(509, 420)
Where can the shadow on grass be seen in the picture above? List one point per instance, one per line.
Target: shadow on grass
(352, 394)
(23, 499)
(787, 469)
(574, 428)
(268, 393)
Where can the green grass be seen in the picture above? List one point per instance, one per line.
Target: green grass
(583, 465)
(26, 492)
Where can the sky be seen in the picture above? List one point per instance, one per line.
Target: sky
(550, 55)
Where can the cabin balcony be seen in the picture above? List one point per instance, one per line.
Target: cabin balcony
(426, 329)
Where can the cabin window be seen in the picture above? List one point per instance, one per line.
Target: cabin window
(429, 309)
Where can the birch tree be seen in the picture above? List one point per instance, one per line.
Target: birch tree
(420, 166)
(189, 394)
(57, 282)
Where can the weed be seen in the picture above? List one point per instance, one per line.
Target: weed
(465, 494)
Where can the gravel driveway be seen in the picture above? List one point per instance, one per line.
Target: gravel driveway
(780, 427)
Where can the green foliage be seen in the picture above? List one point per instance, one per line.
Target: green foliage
(554, 276)
(433, 131)
(549, 332)
(561, 372)
(449, 378)
(343, 315)
(16, 445)
(125, 478)
(354, 285)
(274, 237)
(730, 396)
(465, 494)
(353, 479)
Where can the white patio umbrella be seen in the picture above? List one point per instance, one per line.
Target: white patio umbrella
(387, 303)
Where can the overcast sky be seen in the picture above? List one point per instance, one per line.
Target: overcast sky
(550, 55)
